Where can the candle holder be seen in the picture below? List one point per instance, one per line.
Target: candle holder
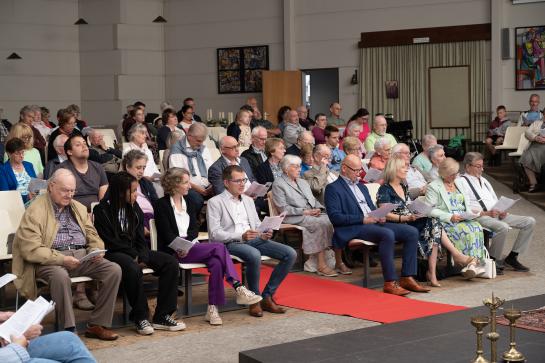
(479, 322)
(493, 304)
(512, 355)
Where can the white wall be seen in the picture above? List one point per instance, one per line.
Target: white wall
(43, 34)
(513, 16)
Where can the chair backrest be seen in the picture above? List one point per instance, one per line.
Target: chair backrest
(373, 189)
(153, 234)
(165, 157)
(273, 211)
(523, 144)
(161, 163)
(210, 143)
(215, 154)
(12, 203)
(6, 228)
(216, 133)
(109, 137)
(512, 136)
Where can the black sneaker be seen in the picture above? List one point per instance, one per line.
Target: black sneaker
(499, 271)
(143, 327)
(167, 323)
(515, 264)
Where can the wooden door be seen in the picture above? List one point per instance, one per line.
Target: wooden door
(281, 88)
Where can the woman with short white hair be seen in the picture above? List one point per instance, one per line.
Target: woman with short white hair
(137, 137)
(293, 195)
(437, 156)
(381, 155)
(423, 161)
(451, 207)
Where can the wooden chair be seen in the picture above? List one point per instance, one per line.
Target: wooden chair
(13, 204)
(512, 138)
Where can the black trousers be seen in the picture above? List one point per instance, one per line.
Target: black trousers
(165, 266)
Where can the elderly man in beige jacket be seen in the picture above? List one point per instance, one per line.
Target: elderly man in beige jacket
(54, 234)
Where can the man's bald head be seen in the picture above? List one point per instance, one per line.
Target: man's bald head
(229, 147)
(379, 125)
(351, 167)
(61, 187)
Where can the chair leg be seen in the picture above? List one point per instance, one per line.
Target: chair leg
(243, 273)
(188, 300)
(126, 308)
(366, 267)
(17, 300)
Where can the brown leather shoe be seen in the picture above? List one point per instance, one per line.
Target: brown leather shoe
(255, 310)
(392, 287)
(269, 305)
(99, 332)
(410, 284)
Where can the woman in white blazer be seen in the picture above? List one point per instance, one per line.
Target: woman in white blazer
(452, 208)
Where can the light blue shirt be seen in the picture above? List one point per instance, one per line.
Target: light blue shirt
(337, 156)
(362, 202)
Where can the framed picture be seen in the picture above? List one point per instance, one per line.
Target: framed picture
(240, 69)
(530, 58)
(392, 90)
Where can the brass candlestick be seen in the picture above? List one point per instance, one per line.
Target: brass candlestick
(479, 322)
(512, 355)
(493, 304)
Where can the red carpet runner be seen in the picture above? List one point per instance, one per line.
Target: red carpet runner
(310, 293)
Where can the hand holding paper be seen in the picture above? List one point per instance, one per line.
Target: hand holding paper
(372, 175)
(92, 255)
(420, 208)
(271, 223)
(6, 279)
(181, 245)
(382, 211)
(257, 190)
(504, 204)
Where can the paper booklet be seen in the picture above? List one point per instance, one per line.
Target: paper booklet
(180, 244)
(6, 279)
(31, 313)
(373, 175)
(271, 223)
(36, 185)
(420, 208)
(468, 215)
(382, 211)
(90, 255)
(504, 204)
(257, 190)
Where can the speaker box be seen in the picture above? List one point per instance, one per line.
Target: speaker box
(505, 44)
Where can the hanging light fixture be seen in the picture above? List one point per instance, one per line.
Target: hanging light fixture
(14, 56)
(81, 21)
(159, 19)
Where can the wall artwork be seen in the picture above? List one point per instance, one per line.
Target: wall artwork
(392, 90)
(530, 58)
(239, 69)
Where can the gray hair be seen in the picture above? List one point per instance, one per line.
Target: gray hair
(58, 174)
(198, 129)
(35, 108)
(533, 95)
(136, 128)
(303, 134)
(380, 143)
(26, 109)
(257, 129)
(396, 149)
(470, 158)
(354, 125)
(427, 140)
(289, 160)
(165, 105)
(433, 150)
(319, 148)
(131, 157)
(57, 142)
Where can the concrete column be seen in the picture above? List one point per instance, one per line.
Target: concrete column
(496, 82)
(289, 35)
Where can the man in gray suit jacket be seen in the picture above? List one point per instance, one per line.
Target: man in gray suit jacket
(232, 219)
(230, 155)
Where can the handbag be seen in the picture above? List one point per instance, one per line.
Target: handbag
(488, 267)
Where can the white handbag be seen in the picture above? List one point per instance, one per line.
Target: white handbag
(488, 268)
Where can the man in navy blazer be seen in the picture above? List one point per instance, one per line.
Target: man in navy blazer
(348, 203)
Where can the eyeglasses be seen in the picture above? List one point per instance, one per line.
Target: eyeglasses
(239, 181)
(232, 147)
(354, 170)
(477, 166)
(260, 138)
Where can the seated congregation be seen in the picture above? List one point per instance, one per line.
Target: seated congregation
(169, 181)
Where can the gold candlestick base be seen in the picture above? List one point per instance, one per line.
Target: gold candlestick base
(479, 322)
(512, 355)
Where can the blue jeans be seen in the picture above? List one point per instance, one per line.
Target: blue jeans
(251, 252)
(385, 235)
(62, 346)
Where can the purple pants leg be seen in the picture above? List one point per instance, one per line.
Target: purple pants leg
(218, 261)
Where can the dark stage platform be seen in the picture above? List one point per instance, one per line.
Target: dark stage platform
(442, 338)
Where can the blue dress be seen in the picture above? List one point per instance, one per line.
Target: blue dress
(430, 228)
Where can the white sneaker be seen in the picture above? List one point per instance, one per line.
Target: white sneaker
(247, 297)
(213, 316)
(143, 327)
